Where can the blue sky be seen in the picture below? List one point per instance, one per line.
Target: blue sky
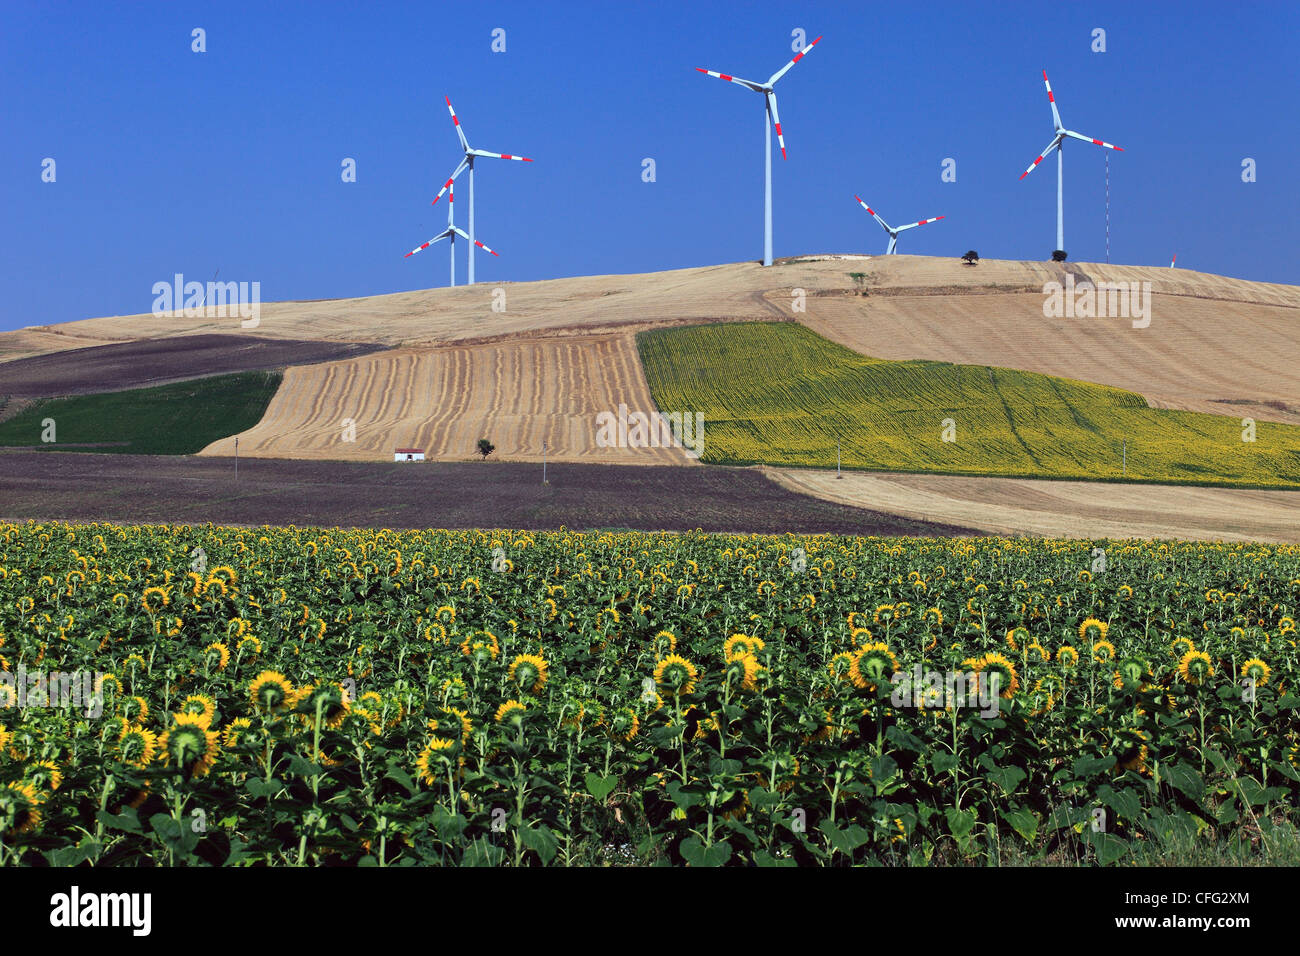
(174, 161)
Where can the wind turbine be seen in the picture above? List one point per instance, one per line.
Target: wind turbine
(772, 118)
(468, 163)
(1057, 143)
(892, 230)
(451, 232)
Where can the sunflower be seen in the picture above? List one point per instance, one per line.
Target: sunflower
(436, 755)
(1135, 756)
(676, 674)
(237, 733)
(19, 802)
(739, 645)
(480, 650)
(625, 724)
(271, 692)
(933, 617)
(1036, 650)
(163, 601)
(1130, 674)
(190, 745)
(200, 706)
(253, 645)
(993, 663)
(872, 663)
(454, 722)
(1181, 647)
(529, 672)
(885, 613)
(664, 641)
(41, 773)
(1093, 630)
(1257, 671)
(1103, 651)
(135, 709)
(1067, 657)
(1195, 667)
(137, 746)
(743, 669)
(510, 712)
(332, 699)
(1015, 636)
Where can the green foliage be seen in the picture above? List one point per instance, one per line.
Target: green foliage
(177, 419)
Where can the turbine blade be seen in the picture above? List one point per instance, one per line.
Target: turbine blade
(464, 165)
(756, 87)
(797, 57)
(1089, 139)
(442, 235)
(483, 247)
(484, 152)
(776, 119)
(464, 143)
(1056, 117)
(874, 215)
(1054, 144)
(923, 222)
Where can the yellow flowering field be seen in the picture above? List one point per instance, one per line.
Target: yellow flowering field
(779, 394)
(207, 695)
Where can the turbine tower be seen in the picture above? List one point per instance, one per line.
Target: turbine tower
(772, 118)
(451, 232)
(1057, 144)
(468, 163)
(892, 230)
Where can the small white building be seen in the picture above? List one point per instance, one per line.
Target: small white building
(408, 454)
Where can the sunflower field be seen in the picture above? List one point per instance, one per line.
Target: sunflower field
(311, 697)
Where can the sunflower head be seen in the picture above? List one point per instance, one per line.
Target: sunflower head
(511, 713)
(1257, 671)
(200, 706)
(676, 674)
(873, 663)
(271, 693)
(1103, 651)
(528, 671)
(1008, 681)
(190, 745)
(1195, 667)
(1093, 630)
(1067, 657)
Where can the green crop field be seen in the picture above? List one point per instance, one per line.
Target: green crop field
(777, 393)
(177, 419)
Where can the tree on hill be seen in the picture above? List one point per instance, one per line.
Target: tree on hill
(1058, 255)
(971, 258)
(485, 448)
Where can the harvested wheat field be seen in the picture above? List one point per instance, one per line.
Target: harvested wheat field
(516, 394)
(1062, 509)
(1215, 345)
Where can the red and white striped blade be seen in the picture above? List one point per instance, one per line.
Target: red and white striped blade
(1090, 139)
(1041, 156)
(797, 57)
(732, 79)
(464, 143)
(923, 222)
(441, 235)
(484, 248)
(1171, 265)
(484, 152)
(1056, 117)
(776, 120)
(863, 205)
(450, 179)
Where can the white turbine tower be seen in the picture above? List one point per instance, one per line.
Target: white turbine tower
(1057, 143)
(892, 230)
(772, 118)
(468, 163)
(451, 232)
